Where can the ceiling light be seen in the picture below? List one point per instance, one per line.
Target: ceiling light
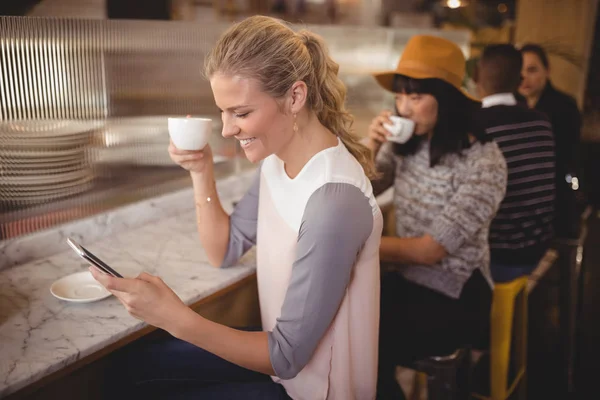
(454, 3)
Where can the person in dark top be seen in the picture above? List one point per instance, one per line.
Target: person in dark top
(565, 117)
(522, 229)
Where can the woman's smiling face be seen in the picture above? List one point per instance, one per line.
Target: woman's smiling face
(251, 116)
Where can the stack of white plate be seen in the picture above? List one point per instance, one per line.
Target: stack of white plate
(44, 160)
(142, 141)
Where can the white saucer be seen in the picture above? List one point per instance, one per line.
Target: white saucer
(36, 154)
(49, 128)
(80, 287)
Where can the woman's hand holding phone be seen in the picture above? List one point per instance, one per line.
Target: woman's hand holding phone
(147, 298)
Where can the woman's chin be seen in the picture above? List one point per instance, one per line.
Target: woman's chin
(255, 156)
(525, 92)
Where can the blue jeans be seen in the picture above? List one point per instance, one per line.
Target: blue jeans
(169, 368)
(507, 272)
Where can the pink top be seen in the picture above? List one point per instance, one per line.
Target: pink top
(317, 238)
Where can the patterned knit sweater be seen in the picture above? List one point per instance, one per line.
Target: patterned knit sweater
(454, 202)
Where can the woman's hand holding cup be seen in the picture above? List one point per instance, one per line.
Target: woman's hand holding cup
(189, 143)
(387, 127)
(197, 161)
(377, 132)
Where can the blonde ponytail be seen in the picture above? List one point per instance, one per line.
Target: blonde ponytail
(265, 49)
(328, 100)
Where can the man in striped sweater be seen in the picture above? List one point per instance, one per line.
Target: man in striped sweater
(522, 229)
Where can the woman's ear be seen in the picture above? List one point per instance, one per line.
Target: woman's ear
(298, 96)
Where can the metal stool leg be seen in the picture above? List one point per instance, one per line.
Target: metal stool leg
(443, 373)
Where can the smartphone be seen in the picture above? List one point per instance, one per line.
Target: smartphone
(92, 259)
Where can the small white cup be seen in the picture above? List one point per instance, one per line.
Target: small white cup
(189, 133)
(401, 129)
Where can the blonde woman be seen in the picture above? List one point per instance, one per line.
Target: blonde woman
(313, 217)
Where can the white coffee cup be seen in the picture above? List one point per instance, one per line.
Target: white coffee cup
(401, 129)
(190, 133)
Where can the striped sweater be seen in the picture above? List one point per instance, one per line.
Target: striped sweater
(454, 202)
(523, 226)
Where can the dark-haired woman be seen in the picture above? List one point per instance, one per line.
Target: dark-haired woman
(448, 183)
(564, 115)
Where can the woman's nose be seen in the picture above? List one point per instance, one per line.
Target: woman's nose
(229, 128)
(403, 107)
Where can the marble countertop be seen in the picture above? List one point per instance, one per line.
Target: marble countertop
(23, 249)
(40, 334)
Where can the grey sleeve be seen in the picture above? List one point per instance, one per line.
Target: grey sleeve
(242, 224)
(385, 163)
(337, 222)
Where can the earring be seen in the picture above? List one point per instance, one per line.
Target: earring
(295, 124)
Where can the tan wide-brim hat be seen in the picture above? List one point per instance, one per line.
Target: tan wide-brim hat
(426, 57)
